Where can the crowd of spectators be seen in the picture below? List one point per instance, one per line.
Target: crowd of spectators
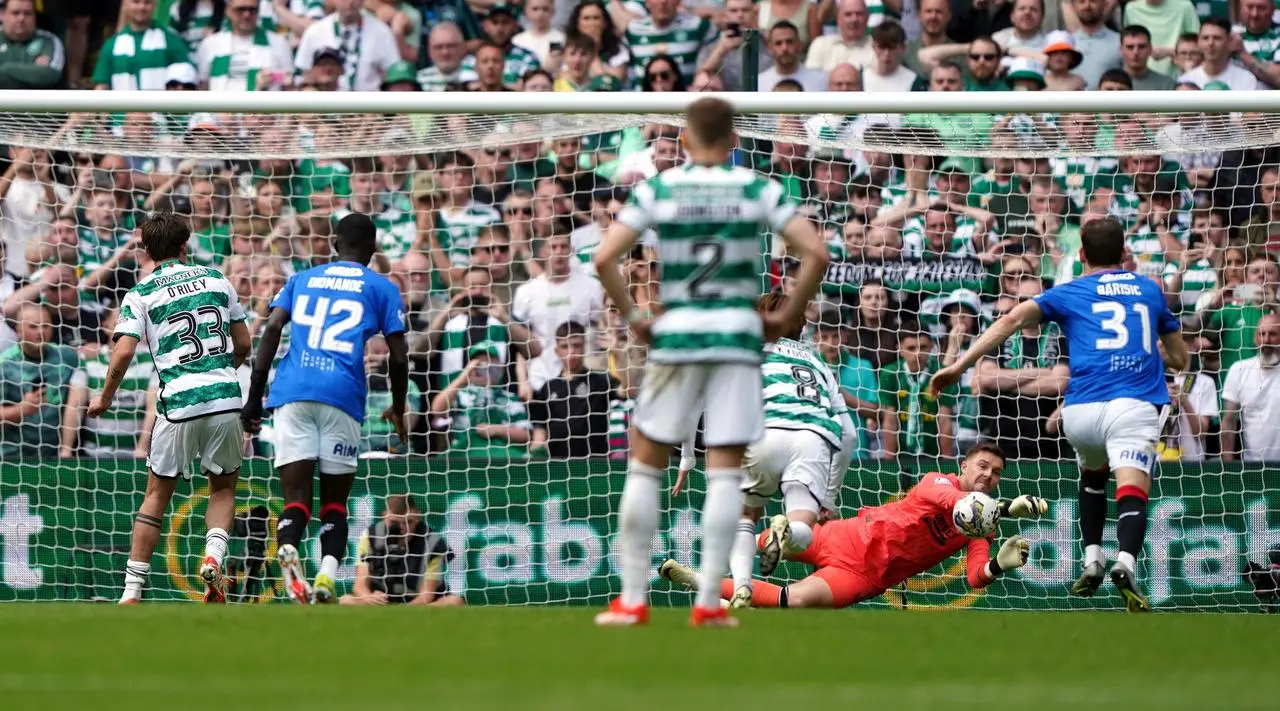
(516, 353)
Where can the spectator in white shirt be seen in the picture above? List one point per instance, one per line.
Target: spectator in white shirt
(539, 36)
(887, 73)
(561, 293)
(1215, 38)
(784, 47)
(366, 44)
(849, 45)
(30, 198)
(1025, 33)
(1251, 400)
(1194, 399)
(245, 57)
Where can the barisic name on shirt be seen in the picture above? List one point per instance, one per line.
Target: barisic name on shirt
(1108, 286)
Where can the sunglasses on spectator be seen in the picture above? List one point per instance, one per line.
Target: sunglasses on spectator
(491, 151)
(660, 76)
(245, 9)
(983, 56)
(1016, 275)
(525, 210)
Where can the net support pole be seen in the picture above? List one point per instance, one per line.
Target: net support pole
(750, 61)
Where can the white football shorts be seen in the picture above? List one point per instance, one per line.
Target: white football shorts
(215, 443)
(316, 431)
(798, 462)
(1114, 434)
(673, 396)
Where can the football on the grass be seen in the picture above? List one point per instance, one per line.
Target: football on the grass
(976, 515)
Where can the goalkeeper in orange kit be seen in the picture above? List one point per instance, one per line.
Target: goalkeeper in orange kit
(861, 557)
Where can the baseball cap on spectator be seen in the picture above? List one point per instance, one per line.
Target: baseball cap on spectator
(182, 74)
(423, 186)
(204, 121)
(1023, 69)
(401, 73)
(488, 348)
(1062, 41)
(503, 8)
(962, 297)
(956, 164)
(327, 54)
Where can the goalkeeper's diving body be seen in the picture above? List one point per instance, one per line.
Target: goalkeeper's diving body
(318, 395)
(860, 558)
(1116, 399)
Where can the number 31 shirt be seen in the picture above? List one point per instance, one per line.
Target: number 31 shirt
(1112, 321)
(334, 308)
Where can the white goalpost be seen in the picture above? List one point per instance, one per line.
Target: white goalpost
(941, 210)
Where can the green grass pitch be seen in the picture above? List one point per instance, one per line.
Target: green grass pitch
(189, 657)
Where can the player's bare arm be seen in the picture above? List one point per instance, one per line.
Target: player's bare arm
(121, 356)
(251, 415)
(803, 240)
(1175, 351)
(617, 242)
(241, 343)
(398, 377)
(1023, 315)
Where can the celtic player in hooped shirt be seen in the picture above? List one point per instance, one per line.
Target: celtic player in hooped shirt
(710, 219)
(191, 320)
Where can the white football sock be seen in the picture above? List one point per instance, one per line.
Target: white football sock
(637, 525)
(1093, 554)
(801, 537)
(743, 556)
(215, 544)
(329, 567)
(720, 514)
(135, 576)
(1128, 561)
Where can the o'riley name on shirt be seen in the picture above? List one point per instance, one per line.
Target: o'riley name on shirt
(188, 288)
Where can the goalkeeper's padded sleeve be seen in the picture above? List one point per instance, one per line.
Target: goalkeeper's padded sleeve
(1012, 555)
(1024, 506)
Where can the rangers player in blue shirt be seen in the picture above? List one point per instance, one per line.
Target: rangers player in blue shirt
(318, 395)
(1115, 322)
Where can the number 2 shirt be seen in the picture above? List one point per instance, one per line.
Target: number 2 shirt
(1112, 321)
(334, 308)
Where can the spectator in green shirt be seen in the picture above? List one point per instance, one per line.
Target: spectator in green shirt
(485, 419)
(912, 421)
(1232, 313)
(35, 376)
(29, 58)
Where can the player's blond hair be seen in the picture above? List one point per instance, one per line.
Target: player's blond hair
(709, 123)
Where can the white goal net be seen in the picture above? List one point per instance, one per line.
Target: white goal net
(940, 215)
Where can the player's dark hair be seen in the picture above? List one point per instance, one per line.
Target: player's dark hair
(570, 329)
(774, 301)
(355, 238)
(163, 235)
(1103, 242)
(987, 446)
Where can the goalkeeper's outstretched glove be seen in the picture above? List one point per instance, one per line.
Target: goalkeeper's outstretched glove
(1024, 507)
(1012, 555)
